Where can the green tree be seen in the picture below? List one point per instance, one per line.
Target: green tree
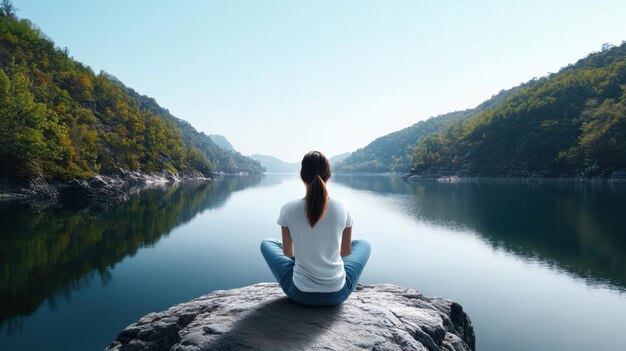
(29, 132)
(7, 8)
(196, 160)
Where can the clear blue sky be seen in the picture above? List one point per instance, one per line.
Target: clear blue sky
(285, 77)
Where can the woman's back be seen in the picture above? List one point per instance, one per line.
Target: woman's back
(318, 267)
(317, 262)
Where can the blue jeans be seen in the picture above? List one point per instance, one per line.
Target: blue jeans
(282, 268)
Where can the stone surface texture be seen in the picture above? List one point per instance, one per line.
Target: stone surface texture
(260, 317)
(97, 188)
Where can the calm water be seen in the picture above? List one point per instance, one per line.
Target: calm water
(537, 266)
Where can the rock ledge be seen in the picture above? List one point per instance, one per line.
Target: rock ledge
(260, 317)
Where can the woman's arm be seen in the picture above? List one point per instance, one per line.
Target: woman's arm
(346, 242)
(287, 242)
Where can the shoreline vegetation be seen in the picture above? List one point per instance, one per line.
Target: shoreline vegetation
(566, 125)
(62, 123)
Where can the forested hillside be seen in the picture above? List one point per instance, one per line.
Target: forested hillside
(222, 142)
(275, 165)
(571, 123)
(60, 120)
(219, 158)
(393, 152)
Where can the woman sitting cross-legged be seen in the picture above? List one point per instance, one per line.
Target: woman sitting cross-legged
(317, 263)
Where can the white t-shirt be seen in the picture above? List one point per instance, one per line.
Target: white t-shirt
(319, 267)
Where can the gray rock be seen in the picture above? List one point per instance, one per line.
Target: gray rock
(260, 317)
(95, 188)
(26, 188)
(618, 177)
(99, 188)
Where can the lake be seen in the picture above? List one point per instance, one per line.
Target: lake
(536, 266)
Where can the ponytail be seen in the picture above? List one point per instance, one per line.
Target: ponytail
(315, 172)
(316, 200)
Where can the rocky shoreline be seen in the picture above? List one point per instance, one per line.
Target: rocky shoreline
(96, 188)
(614, 178)
(260, 317)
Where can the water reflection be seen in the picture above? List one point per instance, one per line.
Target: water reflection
(375, 183)
(45, 253)
(579, 228)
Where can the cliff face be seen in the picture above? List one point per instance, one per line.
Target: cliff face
(260, 317)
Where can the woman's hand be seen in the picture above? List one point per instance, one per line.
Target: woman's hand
(287, 242)
(346, 242)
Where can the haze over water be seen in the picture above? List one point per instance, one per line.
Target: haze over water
(536, 266)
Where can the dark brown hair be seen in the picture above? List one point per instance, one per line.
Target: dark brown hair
(315, 172)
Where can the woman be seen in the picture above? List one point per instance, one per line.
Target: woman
(317, 263)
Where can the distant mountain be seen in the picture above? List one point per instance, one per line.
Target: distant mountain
(393, 152)
(338, 158)
(222, 142)
(571, 123)
(275, 165)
